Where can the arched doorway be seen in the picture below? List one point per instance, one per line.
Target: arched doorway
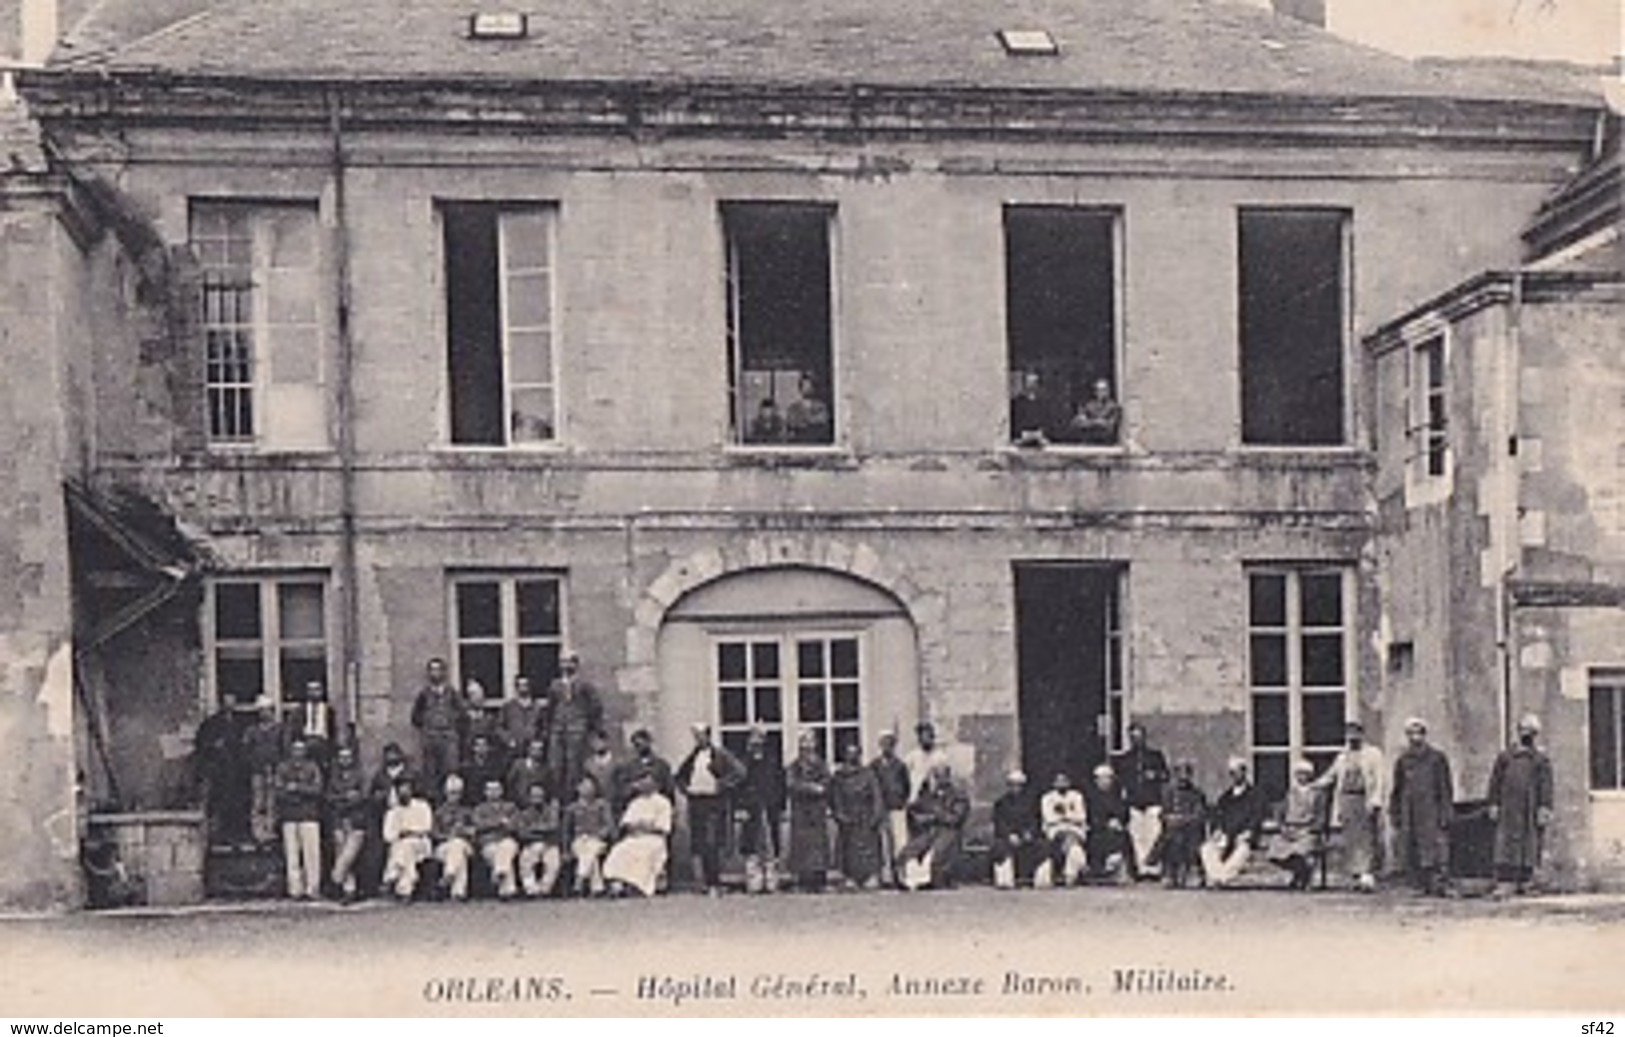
(793, 649)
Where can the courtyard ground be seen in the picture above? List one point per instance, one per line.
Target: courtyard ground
(1141, 951)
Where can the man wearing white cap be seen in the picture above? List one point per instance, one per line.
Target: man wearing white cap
(1016, 846)
(1419, 808)
(1520, 796)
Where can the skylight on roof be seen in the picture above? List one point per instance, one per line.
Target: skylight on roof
(500, 25)
(1025, 42)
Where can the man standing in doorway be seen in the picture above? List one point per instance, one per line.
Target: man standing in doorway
(1419, 808)
(1520, 796)
(1143, 774)
(574, 711)
(707, 777)
(438, 713)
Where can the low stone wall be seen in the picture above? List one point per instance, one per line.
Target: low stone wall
(162, 849)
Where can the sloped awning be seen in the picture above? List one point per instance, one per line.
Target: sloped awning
(129, 556)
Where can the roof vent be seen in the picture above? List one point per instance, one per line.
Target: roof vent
(1027, 42)
(504, 25)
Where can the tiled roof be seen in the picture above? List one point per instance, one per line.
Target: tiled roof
(1184, 46)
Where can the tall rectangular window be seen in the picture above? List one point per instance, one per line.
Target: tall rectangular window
(1430, 407)
(501, 323)
(267, 637)
(262, 323)
(1061, 323)
(1298, 664)
(1607, 730)
(792, 684)
(780, 323)
(507, 626)
(1294, 284)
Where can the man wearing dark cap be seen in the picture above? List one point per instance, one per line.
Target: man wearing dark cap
(643, 763)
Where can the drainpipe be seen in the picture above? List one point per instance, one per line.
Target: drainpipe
(1512, 538)
(349, 594)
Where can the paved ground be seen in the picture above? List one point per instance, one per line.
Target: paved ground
(1094, 951)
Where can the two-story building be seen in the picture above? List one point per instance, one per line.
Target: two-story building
(748, 349)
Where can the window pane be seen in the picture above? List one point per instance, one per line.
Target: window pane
(846, 701)
(844, 737)
(239, 676)
(810, 658)
(1323, 661)
(821, 741)
(1269, 661)
(812, 705)
(291, 237)
(1270, 772)
(843, 654)
(479, 610)
(473, 325)
(731, 661)
(299, 667)
(532, 418)
(237, 611)
(1323, 719)
(1266, 599)
(484, 664)
(1321, 599)
(734, 706)
(764, 659)
(539, 661)
(301, 611)
(1605, 737)
(530, 357)
(769, 705)
(538, 607)
(529, 302)
(736, 742)
(524, 239)
(1271, 725)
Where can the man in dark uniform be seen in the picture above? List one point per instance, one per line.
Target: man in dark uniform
(1143, 774)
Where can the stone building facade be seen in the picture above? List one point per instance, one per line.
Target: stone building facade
(483, 338)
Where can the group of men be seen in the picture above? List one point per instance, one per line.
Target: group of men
(1140, 820)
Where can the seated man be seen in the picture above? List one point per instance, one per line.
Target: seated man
(590, 825)
(1303, 824)
(1029, 413)
(408, 824)
(1017, 844)
(1109, 852)
(454, 839)
(638, 858)
(529, 768)
(768, 425)
(495, 822)
(1098, 418)
(1184, 827)
(481, 764)
(1065, 816)
(807, 420)
(936, 821)
(1238, 814)
(540, 830)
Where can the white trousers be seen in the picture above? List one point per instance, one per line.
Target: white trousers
(302, 855)
(1144, 826)
(544, 856)
(1221, 869)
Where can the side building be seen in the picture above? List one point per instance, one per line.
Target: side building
(751, 375)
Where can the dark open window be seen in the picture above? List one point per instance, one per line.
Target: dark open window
(1061, 323)
(499, 323)
(779, 323)
(1433, 404)
(1292, 326)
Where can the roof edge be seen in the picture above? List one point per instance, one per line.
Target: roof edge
(1483, 290)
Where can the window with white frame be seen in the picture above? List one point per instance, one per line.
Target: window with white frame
(262, 323)
(1299, 668)
(1429, 408)
(506, 626)
(501, 323)
(790, 684)
(267, 637)
(1607, 730)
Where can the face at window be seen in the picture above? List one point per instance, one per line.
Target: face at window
(1103, 391)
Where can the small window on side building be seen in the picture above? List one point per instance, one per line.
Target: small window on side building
(780, 323)
(1430, 405)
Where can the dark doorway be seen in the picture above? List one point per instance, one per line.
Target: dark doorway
(1069, 667)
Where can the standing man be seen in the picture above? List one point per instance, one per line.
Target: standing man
(263, 742)
(312, 720)
(859, 810)
(299, 808)
(896, 790)
(520, 720)
(1143, 774)
(761, 799)
(644, 763)
(1356, 779)
(707, 777)
(1520, 798)
(807, 779)
(924, 757)
(1419, 808)
(574, 711)
(348, 812)
(438, 713)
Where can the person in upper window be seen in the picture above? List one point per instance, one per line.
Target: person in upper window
(807, 420)
(1029, 414)
(1098, 418)
(768, 425)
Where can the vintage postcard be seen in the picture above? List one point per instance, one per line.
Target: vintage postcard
(817, 508)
